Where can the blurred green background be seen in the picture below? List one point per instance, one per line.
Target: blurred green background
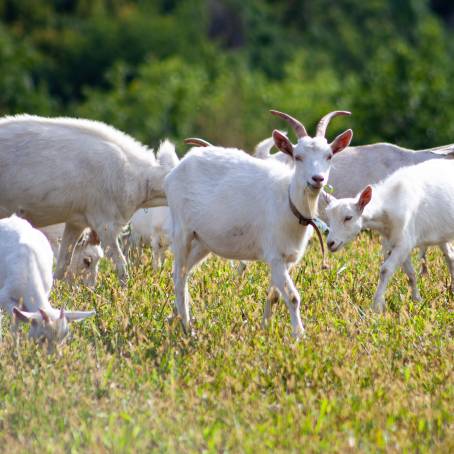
(213, 68)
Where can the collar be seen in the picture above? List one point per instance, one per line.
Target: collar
(307, 221)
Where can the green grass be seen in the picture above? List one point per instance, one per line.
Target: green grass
(129, 380)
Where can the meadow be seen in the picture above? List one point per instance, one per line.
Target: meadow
(129, 379)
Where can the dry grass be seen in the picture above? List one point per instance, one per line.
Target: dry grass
(129, 380)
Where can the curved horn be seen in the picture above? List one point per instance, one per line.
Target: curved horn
(324, 122)
(197, 142)
(299, 128)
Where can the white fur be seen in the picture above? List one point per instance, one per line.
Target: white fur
(81, 172)
(414, 207)
(152, 225)
(85, 258)
(227, 202)
(26, 280)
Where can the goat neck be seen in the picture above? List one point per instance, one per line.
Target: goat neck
(304, 198)
(375, 217)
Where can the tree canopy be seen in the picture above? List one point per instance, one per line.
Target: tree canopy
(213, 68)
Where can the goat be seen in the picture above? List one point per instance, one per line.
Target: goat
(150, 226)
(229, 203)
(86, 255)
(81, 172)
(26, 278)
(414, 207)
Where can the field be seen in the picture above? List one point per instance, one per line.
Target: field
(129, 380)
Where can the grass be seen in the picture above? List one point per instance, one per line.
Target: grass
(129, 380)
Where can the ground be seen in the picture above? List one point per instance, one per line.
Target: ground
(129, 380)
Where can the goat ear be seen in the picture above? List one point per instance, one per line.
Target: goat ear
(327, 198)
(282, 143)
(21, 316)
(25, 317)
(93, 238)
(342, 141)
(77, 316)
(364, 198)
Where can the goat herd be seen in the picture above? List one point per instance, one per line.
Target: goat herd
(92, 180)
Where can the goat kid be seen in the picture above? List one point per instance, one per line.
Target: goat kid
(150, 226)
(224, 201)
(414, 207)
(26, 279)
(86, 255)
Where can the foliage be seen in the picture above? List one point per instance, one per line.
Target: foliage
(213, 68)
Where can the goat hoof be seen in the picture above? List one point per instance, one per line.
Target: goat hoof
(378, 307)
(299, 335)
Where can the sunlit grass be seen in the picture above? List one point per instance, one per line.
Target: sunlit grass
(130, 380)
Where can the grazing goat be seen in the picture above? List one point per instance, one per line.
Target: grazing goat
(86, 254)
(81, 172)
(150, 226)
(26, 279)
(227, 202)
(414, 207)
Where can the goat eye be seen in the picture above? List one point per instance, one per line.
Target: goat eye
(329, 157)
(87, 262)
(347, 218)
(298, 158)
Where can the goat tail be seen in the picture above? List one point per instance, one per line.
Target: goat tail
(263, 148)
(167, 156)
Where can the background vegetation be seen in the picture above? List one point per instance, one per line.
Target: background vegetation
(213, 68)
(129, 380)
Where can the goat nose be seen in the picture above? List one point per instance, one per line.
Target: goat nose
(330, 244)
(318, 178)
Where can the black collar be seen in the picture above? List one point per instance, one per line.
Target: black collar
(307, 221)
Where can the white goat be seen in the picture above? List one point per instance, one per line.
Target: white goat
(26, 279)
(86, 254)
(150, 226)
(414, 207)
(81, 172)
(227, 202)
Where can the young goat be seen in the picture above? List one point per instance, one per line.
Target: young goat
(414, 207)
(150, 226)
(227, 202)
(26, 278)
(86, 254)
(81, 172)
